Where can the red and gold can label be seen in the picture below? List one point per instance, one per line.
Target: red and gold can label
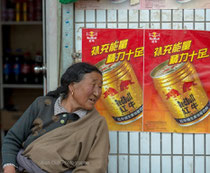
(182, 92)
(121, 92)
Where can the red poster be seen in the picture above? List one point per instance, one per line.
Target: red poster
(142, 4)
(153, 80)
(176, 81)
(119, 55)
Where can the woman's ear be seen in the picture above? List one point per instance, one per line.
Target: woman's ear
(71, 88)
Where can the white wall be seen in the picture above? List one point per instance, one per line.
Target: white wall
(145, 152)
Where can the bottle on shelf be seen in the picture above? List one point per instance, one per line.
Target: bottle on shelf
(25, 10)
(10, 10)
(7, 71)
(25, 69)
(17, 10)
(4, 10)
(38, 12)
(17, 60)
(17, 70)
(31, 10)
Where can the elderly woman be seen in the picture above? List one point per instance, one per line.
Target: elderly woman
(62, 131)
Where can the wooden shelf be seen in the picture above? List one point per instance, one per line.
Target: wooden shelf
(35, 86)
(21, 23)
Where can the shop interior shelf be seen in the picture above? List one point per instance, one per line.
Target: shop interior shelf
(22, 86)
(21, 23)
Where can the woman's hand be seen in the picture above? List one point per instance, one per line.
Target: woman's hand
(9, 169)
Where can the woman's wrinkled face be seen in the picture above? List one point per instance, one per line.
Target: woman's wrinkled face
(87, 91)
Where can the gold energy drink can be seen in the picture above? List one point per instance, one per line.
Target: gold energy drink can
(181, 90)
(121, 92)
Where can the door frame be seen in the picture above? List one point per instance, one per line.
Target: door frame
(50, 44)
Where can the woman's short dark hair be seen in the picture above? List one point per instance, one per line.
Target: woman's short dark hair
(74, 73)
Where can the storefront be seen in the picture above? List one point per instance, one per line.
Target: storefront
(132, 151)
